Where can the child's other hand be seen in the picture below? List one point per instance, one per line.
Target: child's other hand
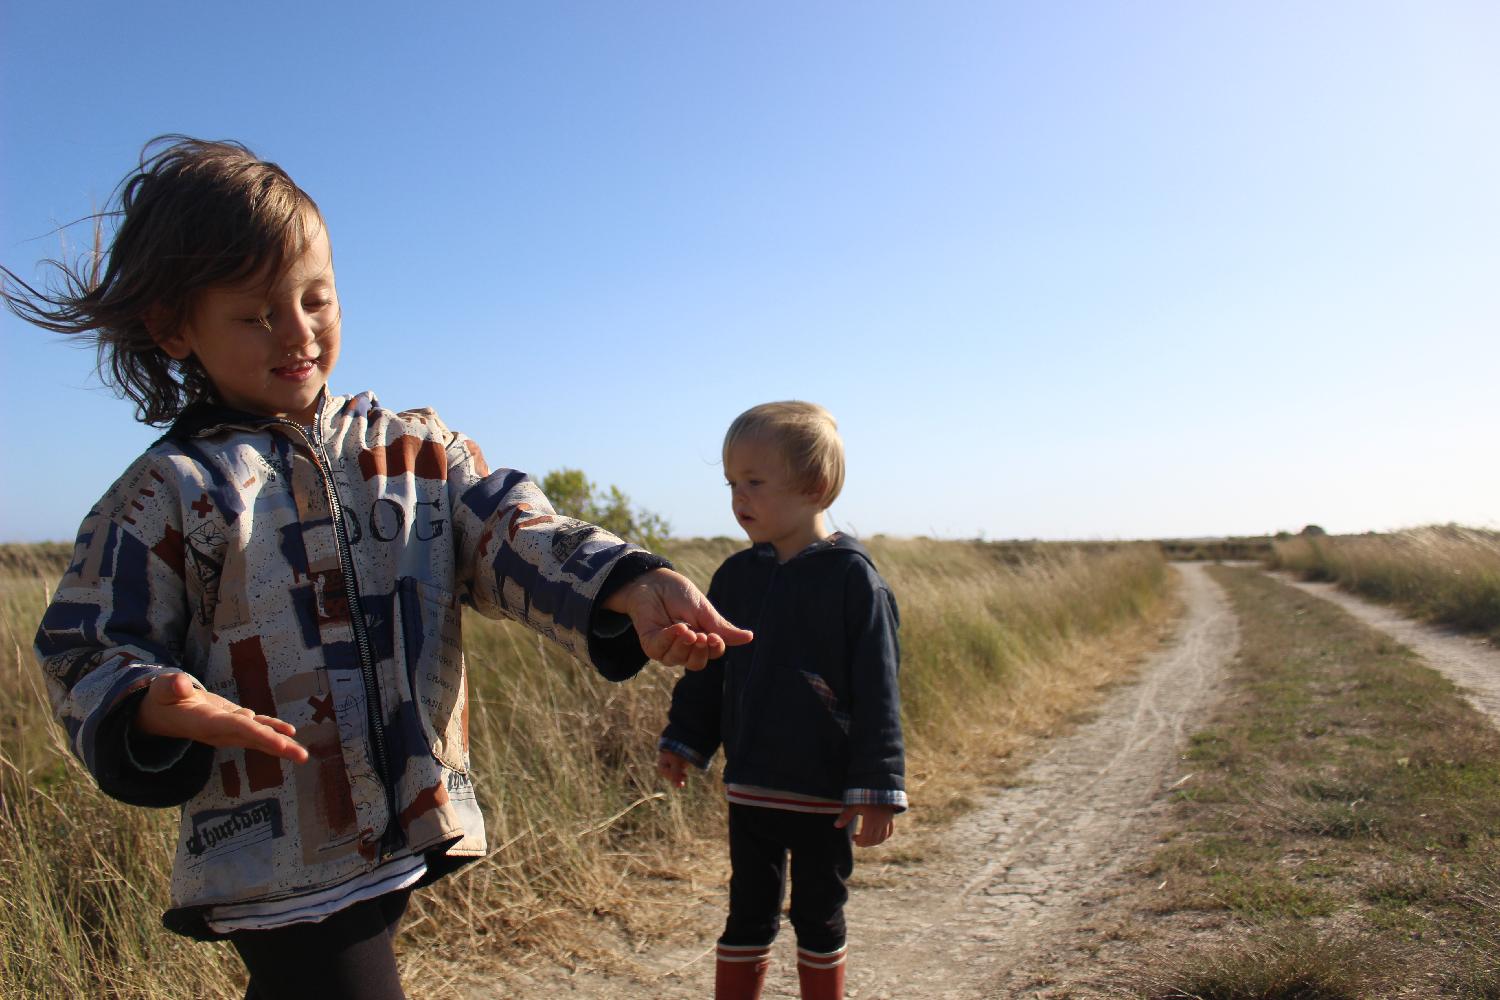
(176, 705)
(676, 624)
(876, 823)
(672, 767)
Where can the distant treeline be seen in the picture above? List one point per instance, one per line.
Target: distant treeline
(1256, 548)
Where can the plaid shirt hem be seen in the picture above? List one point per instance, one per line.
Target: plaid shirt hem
(684, 751)
(876, 797)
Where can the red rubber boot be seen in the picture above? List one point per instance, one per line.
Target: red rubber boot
(741, 971)
(820, 975)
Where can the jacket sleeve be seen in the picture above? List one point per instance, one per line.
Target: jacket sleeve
(696, 714)
(116, 622)
(518, 558)
(877, 755)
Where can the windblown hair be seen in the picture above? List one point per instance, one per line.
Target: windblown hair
(806, 436)
(195, 214)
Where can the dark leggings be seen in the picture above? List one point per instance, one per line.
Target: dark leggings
(822, 859)
(348, 956)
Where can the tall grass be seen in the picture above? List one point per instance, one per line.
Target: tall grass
(582, 835)
(1447, 574)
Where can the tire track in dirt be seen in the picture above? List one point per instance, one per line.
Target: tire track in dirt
(976, 923)
(1013, 877)
(1473, 664)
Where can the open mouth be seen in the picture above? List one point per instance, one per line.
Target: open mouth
(296, 370)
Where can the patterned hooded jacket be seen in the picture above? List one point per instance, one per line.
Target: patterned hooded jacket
(315, 575)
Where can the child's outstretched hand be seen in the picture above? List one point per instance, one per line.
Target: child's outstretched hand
(876, 823)
(176, 705)
(672, 767)
(676, 624)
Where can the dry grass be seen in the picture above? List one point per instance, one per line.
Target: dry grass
(998, 643)
(1445, 574)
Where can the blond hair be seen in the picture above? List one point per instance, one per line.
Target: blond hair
(807, 437)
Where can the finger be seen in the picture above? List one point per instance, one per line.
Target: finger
(697, 659)
(716, 646)
(679, 632)
(255, 733)
(269, 741)
(282, 727)
(289, 749)
(845, 818)
(659, 644)
(731, 634)
(676, 651)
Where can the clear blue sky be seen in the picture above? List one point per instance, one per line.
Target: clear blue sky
(1083, 270)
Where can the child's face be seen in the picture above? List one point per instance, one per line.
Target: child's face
(268, 351)
(767, 504)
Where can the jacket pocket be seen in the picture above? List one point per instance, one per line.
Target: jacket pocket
(827, 699)
(432, 634)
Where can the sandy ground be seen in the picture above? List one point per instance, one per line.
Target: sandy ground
(1473, 664)
(1007, 895)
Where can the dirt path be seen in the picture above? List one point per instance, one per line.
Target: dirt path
(1004, 896)
(1473, 664)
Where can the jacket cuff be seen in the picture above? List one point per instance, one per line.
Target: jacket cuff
(142, 770)
(893, 797)
(684, 751)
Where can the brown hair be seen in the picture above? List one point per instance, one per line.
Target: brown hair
(193, 215)
(807, 437)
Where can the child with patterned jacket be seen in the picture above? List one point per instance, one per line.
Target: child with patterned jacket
(261, 621)
(809, 715)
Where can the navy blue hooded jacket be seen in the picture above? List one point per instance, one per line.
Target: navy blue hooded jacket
(812, 705)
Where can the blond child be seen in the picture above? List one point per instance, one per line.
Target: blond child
(809, 715)
(261, 622)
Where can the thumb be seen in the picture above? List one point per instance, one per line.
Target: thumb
(169, 689)
(732, 634)
(845, 818)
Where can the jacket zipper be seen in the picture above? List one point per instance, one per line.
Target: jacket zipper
(357, 621)
(750, 671)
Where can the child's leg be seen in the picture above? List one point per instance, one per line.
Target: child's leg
(349, 956)
(757, 881)
(822, 861)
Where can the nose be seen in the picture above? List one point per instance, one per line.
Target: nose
(295, 330)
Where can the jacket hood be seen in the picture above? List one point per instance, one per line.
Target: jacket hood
(838, 542)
